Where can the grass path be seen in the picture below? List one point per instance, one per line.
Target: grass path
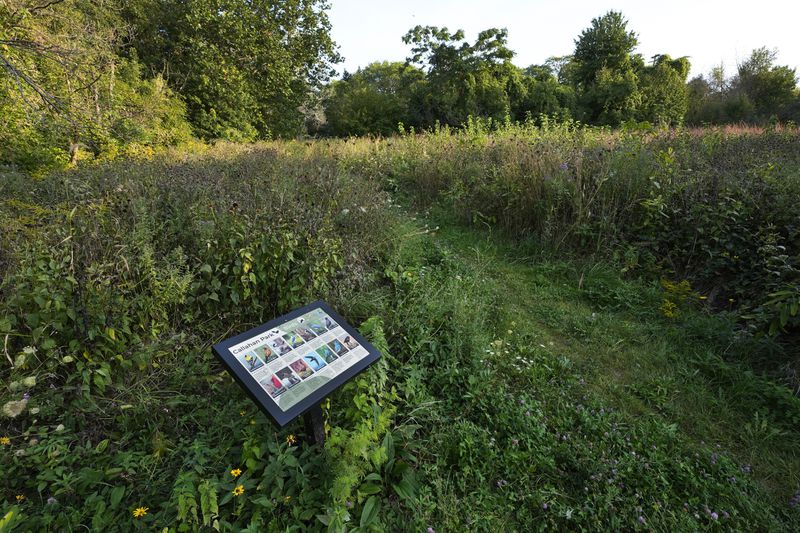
(572, 339)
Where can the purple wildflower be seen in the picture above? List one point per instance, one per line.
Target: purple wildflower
(564, 166)
(26, 396)
(51, 501)
(431, 530)
(795, 501)
(545, 506)
(714, 516)
(642, 520)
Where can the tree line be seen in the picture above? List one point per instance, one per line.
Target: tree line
(103, 77)
(447, 79)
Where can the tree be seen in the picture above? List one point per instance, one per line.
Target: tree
(373, 100)
(604, 71)
(61, 87)
(759, 92)
(246, 68)
(463, 79)
(664, 91)
(770, 88)
(543, 94)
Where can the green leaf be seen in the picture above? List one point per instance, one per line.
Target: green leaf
(116, 496)
(370, 511)
(369, 488)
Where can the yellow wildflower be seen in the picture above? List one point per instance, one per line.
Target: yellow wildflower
(236, 472)
(291, 439)
(669, 309)
(140, 512)
(20, 497)
(242, 413)
(239, 490)
(5, 441)
(287, 499)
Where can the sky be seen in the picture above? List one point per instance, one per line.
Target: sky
(710, 32)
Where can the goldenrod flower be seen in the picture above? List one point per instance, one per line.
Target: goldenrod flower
(5, 441)
(291, 439)
(140, 512)
(239, 490)
(20, 497)
(669, 309)
(236, 472)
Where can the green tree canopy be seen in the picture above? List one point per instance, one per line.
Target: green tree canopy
(63, 85)
(604, 71)
(246, 68)
(374, 99)
(759, 92)
(664, 92)
(768, 87)
(463, 79)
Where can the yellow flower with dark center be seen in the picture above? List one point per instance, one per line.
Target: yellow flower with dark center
(239, 490)
(140, 512)
(291, 439)
(236, 472)
(20, 497)
(5, 441)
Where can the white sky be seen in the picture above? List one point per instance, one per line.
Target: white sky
(708, 31)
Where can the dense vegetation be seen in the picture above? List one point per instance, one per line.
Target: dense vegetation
(96, 79)
(583, 328)
(100, 78)
(557, 353)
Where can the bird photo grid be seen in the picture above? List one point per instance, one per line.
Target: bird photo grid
(297, 357)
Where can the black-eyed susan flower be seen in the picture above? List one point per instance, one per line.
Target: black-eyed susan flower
(236, 472)
(5, 441)
(239, 490)
(140, 512)
(291, 439)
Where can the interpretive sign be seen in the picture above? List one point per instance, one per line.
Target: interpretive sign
(291, 363)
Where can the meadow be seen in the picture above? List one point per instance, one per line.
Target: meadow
(582, 329)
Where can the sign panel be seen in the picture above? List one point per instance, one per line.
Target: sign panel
(289, 364)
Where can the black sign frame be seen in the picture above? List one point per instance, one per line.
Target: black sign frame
(260, 396)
